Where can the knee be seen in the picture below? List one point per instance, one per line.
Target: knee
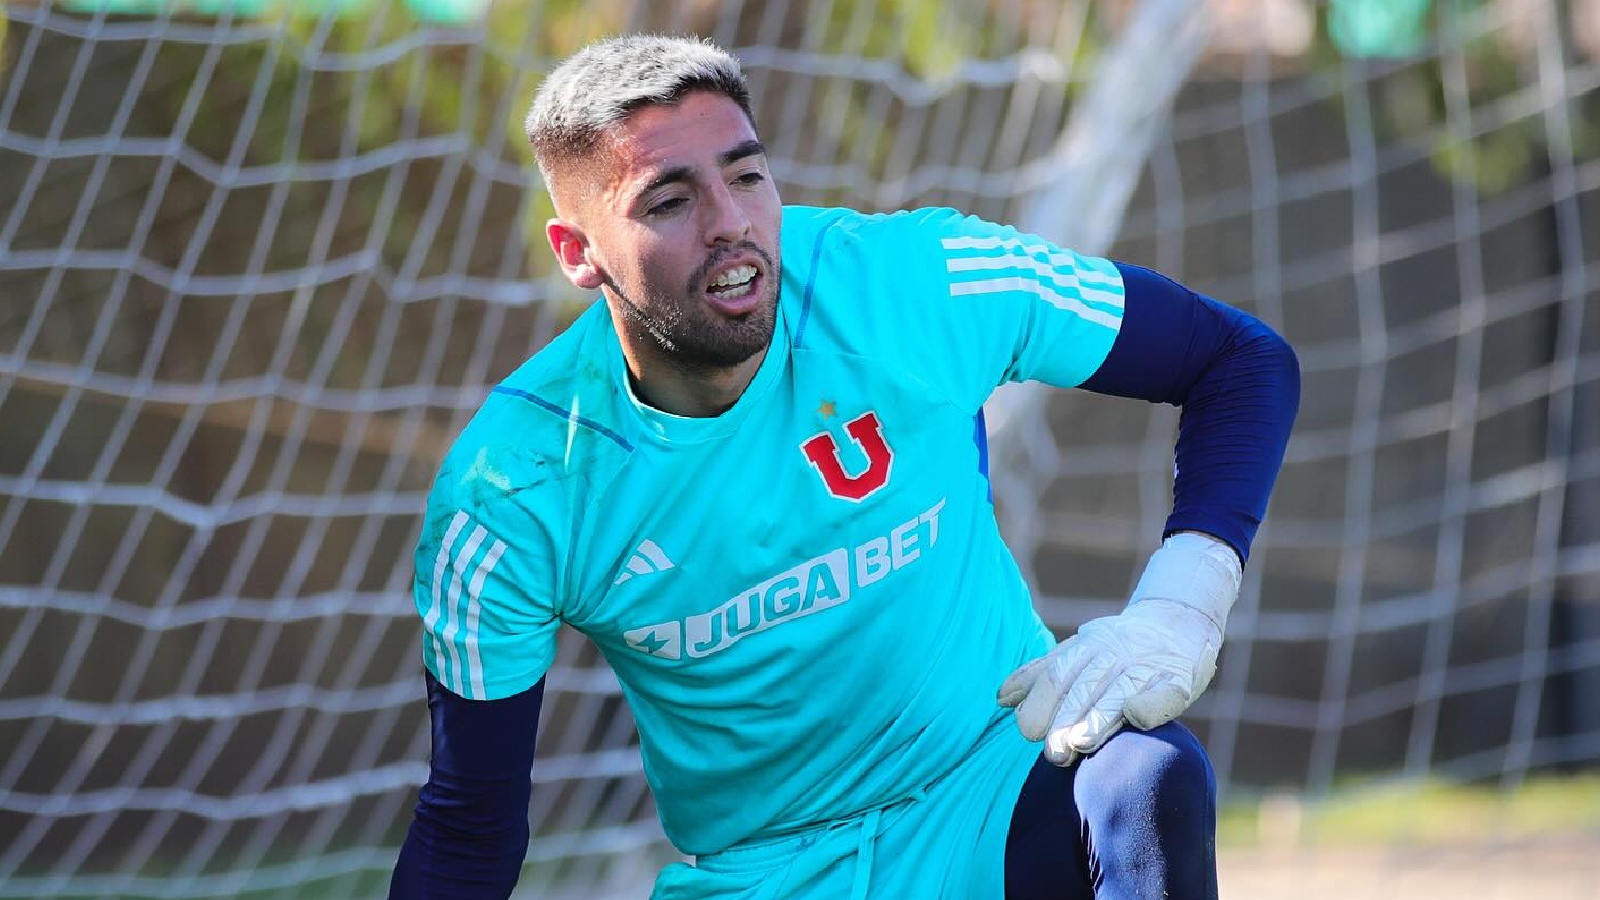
(1161, 772)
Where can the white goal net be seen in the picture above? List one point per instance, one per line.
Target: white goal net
(257, 268)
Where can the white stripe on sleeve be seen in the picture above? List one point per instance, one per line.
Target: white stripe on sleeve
(436, 606)
(1069, 280)
(1031, 286)
(453, 623)
(972, 242)
(474, 609)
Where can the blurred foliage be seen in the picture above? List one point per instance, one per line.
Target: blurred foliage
(1470, 95)
(320, 81)
(333, 79)
(926, 36)
(359, 82)
(927, 39)
(357, 72)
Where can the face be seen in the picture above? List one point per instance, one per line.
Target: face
(681, 232)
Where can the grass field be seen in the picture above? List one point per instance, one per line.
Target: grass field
(1540, 841)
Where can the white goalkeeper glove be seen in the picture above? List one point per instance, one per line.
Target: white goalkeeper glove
(1143, 666)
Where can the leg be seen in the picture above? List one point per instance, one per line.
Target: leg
(1135, 821)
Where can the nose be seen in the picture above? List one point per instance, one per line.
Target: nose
(726, 218)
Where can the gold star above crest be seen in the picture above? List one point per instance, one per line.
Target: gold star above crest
(826, 409)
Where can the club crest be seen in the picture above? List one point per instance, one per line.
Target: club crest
(823, 452)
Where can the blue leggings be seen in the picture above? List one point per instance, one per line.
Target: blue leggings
(1136, 820)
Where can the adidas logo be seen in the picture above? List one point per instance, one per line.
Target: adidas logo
(647, 559)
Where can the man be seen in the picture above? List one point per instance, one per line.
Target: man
(753, 476)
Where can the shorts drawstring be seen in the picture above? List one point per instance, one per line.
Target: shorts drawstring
(870, 823)
(869, 837)
(932, 833)
(830, 840)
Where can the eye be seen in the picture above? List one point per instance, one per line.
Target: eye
(750, 178)
(666, 206)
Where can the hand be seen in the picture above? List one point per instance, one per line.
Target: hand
(1143, 666)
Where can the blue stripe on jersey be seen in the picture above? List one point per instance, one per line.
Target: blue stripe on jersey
(590, 424)
(811, 283)
(1238, 383)
(980, 437)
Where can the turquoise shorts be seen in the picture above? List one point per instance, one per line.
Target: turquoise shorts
(945, 842)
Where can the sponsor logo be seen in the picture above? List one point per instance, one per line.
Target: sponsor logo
(648, 559)
(816, 585)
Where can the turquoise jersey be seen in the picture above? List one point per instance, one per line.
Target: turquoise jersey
(806, 599)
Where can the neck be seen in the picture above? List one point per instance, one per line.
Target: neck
(689, 391)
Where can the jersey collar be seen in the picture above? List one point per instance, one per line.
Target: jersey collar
(664, 427)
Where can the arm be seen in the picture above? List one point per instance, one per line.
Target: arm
(1238, 385)
(471, 827)
(486, 585)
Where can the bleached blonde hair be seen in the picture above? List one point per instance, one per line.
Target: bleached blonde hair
(597, 87)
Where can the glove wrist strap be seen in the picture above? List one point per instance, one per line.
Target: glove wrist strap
(1196, 570)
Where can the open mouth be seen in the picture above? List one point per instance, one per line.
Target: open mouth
(735, 282)
(735, 290)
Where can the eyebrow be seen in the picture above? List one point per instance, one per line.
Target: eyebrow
(741, 150)
(726, 158)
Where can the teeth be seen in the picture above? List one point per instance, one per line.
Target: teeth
(735, 275)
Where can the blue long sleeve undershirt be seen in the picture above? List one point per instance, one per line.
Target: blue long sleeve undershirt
(470, 832)
(1238, 383)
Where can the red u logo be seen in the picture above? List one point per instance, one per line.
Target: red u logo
(822, 451)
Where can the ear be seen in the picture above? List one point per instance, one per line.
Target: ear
(571, 247)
